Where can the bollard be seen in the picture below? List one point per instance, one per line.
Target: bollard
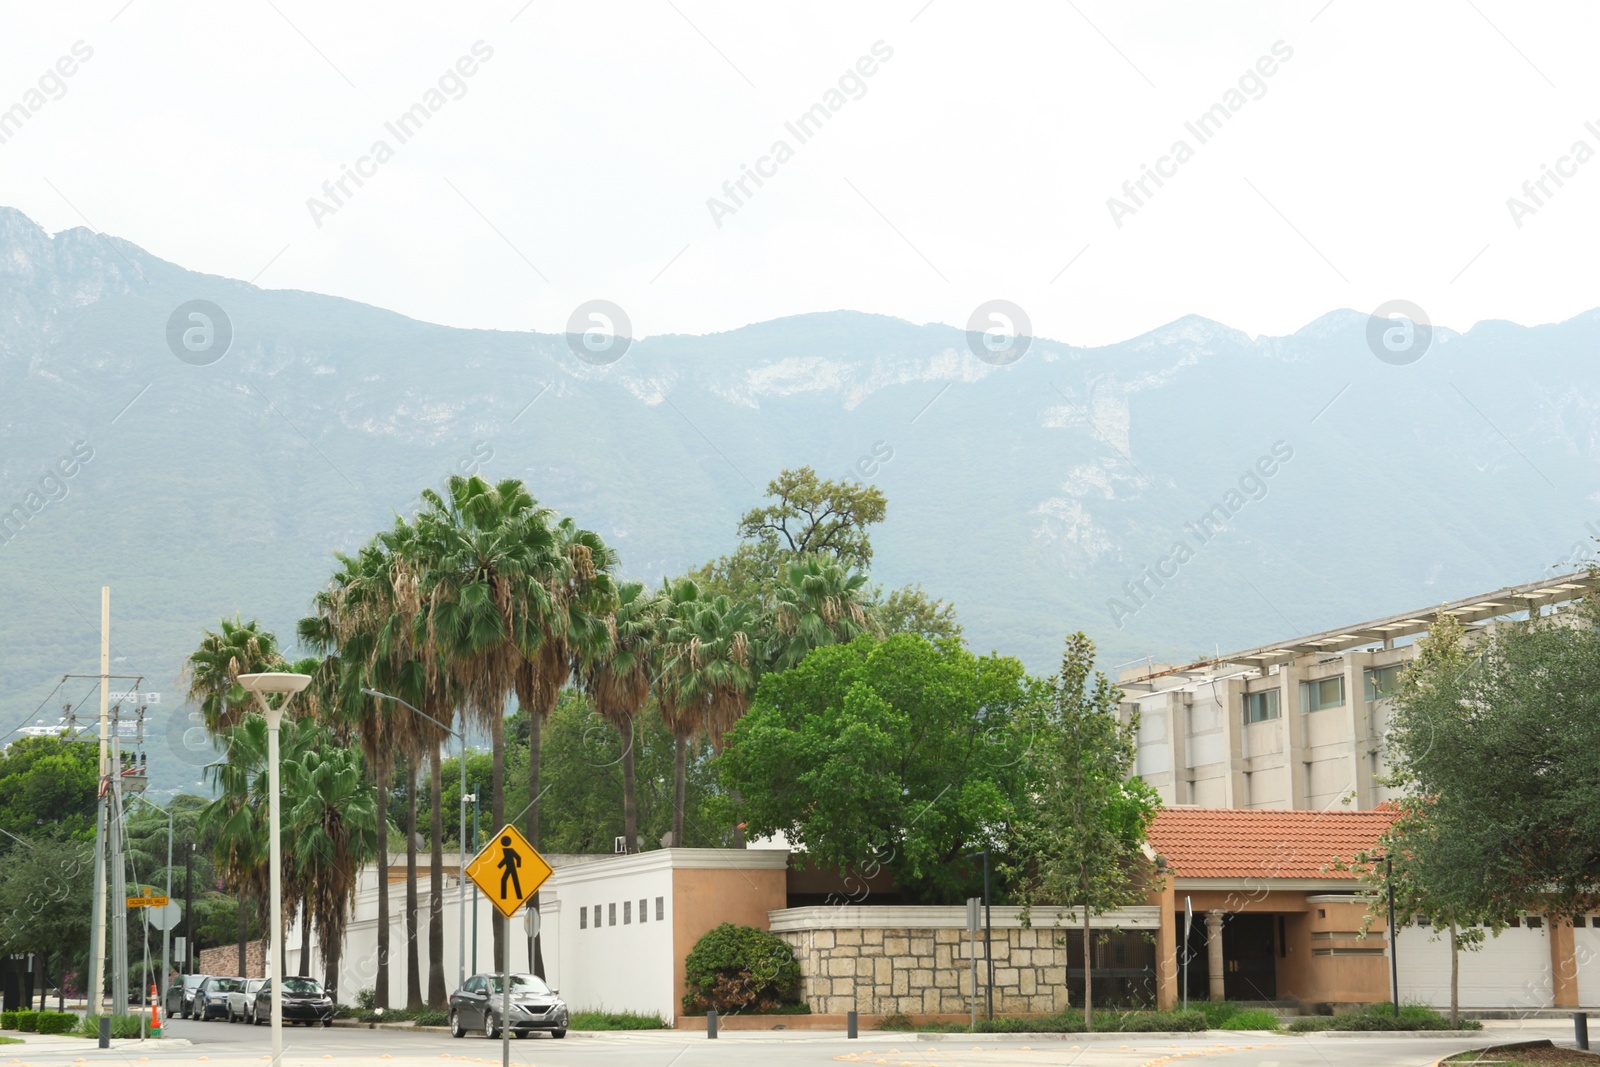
(1580, 1029)
(105, 1031)
(711, 1024)
(850, 1024)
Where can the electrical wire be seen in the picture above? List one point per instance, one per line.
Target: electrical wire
(36, 710)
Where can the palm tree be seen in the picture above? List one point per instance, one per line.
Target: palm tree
(709, 670)
(581, 596)
(211, 678)
(475, 599)
(331, 822)
(817, 603)
(211, 673)
(617, 677)
(366, 614)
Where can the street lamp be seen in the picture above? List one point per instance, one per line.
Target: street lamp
(461, 872)
(287, 684)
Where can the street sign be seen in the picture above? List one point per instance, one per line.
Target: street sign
(167, 916)
(530, 922)
(148, 902)
(508, 870)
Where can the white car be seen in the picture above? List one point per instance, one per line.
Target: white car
(242, 1002)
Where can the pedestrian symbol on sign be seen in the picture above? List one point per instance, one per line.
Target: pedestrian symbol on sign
(509, 870)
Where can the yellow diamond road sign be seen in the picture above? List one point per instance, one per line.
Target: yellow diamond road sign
(508, 870)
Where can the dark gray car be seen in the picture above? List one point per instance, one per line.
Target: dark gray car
(478, 1004)
(180, 995)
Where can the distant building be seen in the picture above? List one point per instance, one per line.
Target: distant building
(1298, 724)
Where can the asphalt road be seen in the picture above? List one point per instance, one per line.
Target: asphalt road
(219, 1044)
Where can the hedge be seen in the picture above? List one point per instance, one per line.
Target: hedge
(735, 968)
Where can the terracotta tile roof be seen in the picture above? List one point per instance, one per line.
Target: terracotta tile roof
(1240, 843)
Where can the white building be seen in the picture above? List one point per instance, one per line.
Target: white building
(1297, 724)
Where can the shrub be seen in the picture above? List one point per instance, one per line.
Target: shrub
(432, 1018)
(615, 1020)
(57, 1022)
(8, 1020)
(1377, 1017)
(1251, 1019)
(735, 968)
(28, 1022)
(367, 999)
(121, 1026)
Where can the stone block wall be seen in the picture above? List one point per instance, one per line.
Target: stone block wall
(918, 960)
(224, 960)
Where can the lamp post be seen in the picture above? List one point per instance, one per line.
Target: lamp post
(461, 860)
(287, 684)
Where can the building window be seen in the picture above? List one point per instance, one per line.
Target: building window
(597, 916)
(611, 909)
(583, 918)
(644, 910)
(627, 913)
(1259, 707)
(1383, 681)
(1322, 693)
(661, 912)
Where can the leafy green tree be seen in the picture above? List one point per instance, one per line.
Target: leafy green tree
(211, 673)
(48, 788)
(910, 610)
(899, 753)
(1082, 843)
(817, 603)
(1505, 747)
(809, 517)
(45, 905)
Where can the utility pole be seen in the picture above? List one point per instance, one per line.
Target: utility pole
(190, 952)
(97, 924)
(119, 883)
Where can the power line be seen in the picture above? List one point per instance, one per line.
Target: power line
(36, 710)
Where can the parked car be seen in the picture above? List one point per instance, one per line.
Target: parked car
(211, 999)
(478, 1004)
(180, 994)
(241, 1002)
(304, 1001)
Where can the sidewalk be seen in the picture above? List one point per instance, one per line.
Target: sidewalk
(70, 1043)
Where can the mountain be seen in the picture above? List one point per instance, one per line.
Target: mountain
(1034, 495)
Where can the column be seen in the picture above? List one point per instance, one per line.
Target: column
(1563, 964)
(1214, 962)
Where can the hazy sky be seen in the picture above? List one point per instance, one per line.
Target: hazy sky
(975, 161)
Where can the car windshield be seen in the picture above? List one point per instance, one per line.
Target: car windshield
(520, 983)
(305, 987)
(192, 981)
(228, 985)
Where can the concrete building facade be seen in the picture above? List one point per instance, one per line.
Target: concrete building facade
(1298, 724)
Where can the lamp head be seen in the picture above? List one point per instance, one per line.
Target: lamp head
(275, 682)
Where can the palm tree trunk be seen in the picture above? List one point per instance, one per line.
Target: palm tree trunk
(380, 997)
(244, 932)
(630, 802)
(331, 951)
(305, 941)
(497, 801)
(413, 965)
(1088, 982)
(535, 752)
(437, 994)
(680, 780)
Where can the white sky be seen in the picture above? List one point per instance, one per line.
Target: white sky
(976, 166)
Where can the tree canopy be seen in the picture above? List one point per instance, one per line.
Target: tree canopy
(48, 787)
(898, 753)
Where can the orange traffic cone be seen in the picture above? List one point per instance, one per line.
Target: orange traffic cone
(155, 1011)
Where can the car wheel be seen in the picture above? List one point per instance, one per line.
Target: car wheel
(456, 1029)
(520, 1033)
(558, 1033)
(328, 1022)
(490, 1030)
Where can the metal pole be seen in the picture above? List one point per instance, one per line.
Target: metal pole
(97, 953)
(1580, 1030)
(461, 873)
(1188, 923)
(988, 932)
(505, 1009)
(119, 884)
(275, 875)
(475, 884)
(189, 949)
(972, 1001)
(166, 933)
(1394, 938)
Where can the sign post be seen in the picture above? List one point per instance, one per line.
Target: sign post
(509, 871)
(1188, 921)
(974, 920)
